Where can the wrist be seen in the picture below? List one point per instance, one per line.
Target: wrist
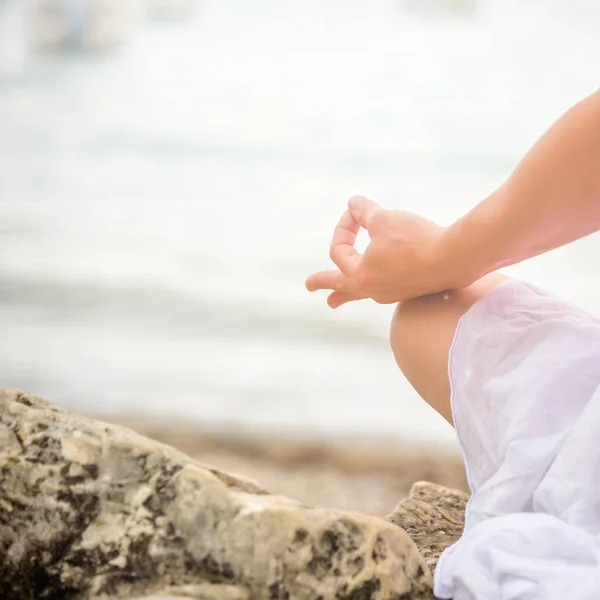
(461, 260)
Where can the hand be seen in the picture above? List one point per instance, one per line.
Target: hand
(404, 259)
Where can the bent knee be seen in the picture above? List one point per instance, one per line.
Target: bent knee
(425, 326)
(421, 335)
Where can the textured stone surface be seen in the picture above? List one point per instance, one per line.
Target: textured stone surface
(367, 477)
(92, 510)
(434, 517)
(206, 591)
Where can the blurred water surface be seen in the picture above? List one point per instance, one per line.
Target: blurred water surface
(161, 204)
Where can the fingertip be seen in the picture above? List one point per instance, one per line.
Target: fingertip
(337, 299)
(355, 202)
(331, 300)
(362, 209)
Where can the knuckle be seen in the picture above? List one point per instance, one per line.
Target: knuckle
(363, 280)
(379, 220)
(341, 284)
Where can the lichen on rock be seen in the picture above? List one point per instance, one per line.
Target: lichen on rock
(90, 510)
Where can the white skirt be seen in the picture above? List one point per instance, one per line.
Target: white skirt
(525, 378)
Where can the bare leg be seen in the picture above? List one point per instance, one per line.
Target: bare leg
(422, 332)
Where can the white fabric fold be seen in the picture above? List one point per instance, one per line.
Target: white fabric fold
(525, 378)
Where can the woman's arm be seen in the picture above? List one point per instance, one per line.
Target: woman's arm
(552, 198)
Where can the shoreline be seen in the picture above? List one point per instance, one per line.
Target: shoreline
(358, 475)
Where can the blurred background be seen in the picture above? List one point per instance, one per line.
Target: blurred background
(171, 171)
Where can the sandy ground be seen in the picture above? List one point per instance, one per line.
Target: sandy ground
(347, 475)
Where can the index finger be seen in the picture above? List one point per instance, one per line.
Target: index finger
(342, 251)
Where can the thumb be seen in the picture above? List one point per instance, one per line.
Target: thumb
(362, 210)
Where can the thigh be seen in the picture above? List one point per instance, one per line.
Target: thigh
(421, 335)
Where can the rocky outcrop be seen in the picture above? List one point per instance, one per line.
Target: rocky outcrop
(92, 510)
(433, 516)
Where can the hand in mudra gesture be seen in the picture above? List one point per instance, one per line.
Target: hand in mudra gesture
(404, 259)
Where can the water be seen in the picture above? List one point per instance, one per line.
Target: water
(160, 206)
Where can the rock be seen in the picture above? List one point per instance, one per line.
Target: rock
(207, 591)
(91, 510)
(434, 517)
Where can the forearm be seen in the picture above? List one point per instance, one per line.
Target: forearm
(552, 198)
